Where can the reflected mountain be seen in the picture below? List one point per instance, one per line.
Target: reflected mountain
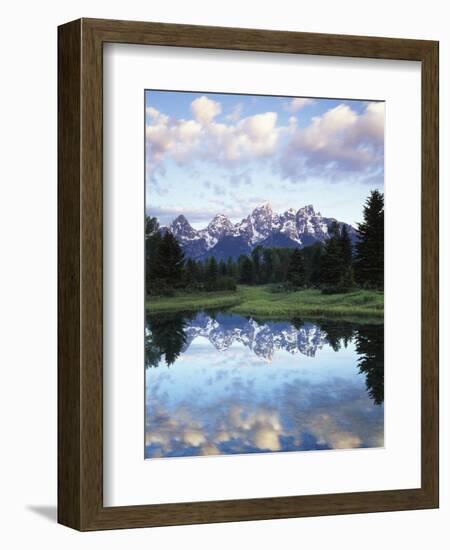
(264, 339)
(169, 336)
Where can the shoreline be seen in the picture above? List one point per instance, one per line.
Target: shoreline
(363, 306)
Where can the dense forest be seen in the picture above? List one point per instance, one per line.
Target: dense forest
(333, 266)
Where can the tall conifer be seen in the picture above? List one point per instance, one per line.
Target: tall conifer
(296, 270)
(369, 257)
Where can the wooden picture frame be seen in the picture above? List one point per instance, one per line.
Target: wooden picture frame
(80, 272)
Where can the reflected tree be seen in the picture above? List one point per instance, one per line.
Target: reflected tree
(369, 341)
(297, 323)
(153, 354)
(165, 335)
(338, 333)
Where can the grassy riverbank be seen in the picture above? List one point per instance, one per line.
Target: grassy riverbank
(261, 302)
(194, 301)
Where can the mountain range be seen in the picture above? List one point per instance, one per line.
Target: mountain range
(221, 238)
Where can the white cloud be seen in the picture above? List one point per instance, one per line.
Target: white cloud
(202, 138)
(298, 103)
(205, 109)
(165, 136)
(339, 142)
(252, 137)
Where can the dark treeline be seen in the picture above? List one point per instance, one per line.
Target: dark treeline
(333, 266)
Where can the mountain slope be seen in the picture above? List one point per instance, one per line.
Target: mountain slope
(221, 238)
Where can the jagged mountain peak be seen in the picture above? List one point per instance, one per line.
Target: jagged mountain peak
(307, 209)
(182, 229)
(220, 226)
(221, 238)
(180, 220)
(263, 207)
(220, 218)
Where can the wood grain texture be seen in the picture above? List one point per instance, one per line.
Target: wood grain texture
(80, 241)
(69, 247)
(430, 272)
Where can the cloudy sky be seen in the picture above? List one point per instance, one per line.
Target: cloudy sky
(227, 153)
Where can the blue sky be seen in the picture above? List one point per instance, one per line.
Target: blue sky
(227, 153)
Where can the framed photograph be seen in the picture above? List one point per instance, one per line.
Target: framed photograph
(248, 274)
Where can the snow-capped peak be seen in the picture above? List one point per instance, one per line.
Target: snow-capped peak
(218, 227)
(182, 229)
(292, 228)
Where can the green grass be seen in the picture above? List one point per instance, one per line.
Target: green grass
(260, 302)
(360, 304)
(193, 302)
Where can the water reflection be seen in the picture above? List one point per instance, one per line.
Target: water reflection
(236, 385)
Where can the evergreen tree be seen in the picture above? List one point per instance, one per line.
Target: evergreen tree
(200, 267)
(169, 261)
(285, 256)
(332, 262)
(246, 271)
(369, 259)
(231, 268)
(152, 243)
(296, 270)
(211, 273)
(256, 259)
(346, 246)
(191, 271)
(151, 226)
(267, 267)
(313, 259)
(222, 268)
(277, 269)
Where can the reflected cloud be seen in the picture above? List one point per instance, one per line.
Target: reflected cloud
(222, 399)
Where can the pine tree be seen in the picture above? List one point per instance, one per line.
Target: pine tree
(346, 246)
(277, 269)
(152, 243)
(231, 268)
(200, 268)
(169, 261)
(256, 259)
(314, 255)
(151, 226)
(246, 271)
(222, 268)
(267, 267)
(211, 273)
(369, 258)
(296, 270)
(191, 271)
(332, 263)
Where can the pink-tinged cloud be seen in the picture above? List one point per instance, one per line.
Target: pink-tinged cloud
(341, 141)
